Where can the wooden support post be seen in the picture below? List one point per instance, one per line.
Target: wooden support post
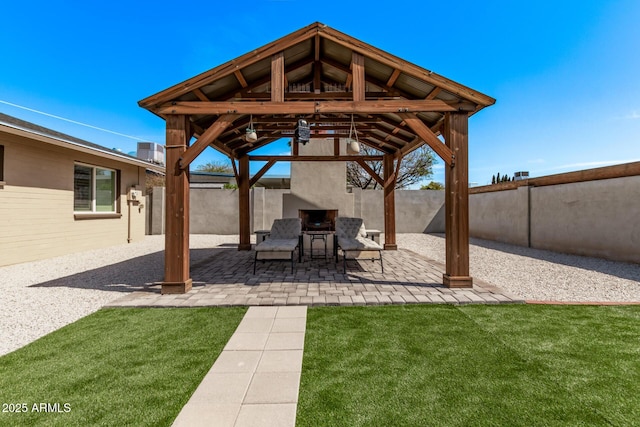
(389, 203)
(176, 253)
(456, 134)
(243, 199)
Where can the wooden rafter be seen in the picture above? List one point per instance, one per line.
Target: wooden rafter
(201, 96)
(434, 92)
(381, 143)
(394, 76)
(240, 78)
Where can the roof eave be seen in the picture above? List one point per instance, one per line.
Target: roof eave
(106, 153)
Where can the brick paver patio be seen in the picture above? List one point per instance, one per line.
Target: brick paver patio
(226, 279)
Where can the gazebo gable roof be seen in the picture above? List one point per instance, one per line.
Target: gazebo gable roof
(319, 84)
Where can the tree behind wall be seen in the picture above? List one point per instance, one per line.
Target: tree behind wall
(216, 167)
(414, 167)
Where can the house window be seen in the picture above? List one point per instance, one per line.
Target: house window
(94, 189)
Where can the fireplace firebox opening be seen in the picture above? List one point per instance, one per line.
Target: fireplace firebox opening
(318, 219)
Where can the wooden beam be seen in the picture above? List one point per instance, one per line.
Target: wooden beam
(261, 172)
(423, 131)
(200, 94)
(394, 76)
(277, 77)
(240, 78)
(457, 204)
(336, 146)
(357, 69)
(351, 158)
(207, 138)
(310, 107)
(235, 168)
(244, 206)
(396, 173)
(176, 254)
(371, 172)
(389, 204)
(379, 144)
(434, 92)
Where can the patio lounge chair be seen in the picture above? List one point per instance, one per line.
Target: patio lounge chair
(283, 240)
(351, 238)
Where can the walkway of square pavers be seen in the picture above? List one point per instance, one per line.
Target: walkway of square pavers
(255, 380)
(226, 279)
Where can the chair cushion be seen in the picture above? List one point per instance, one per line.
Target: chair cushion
(286, 228)
(358, 243)
(277, 245)
(349, 227)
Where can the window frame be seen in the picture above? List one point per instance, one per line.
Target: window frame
(94, 213)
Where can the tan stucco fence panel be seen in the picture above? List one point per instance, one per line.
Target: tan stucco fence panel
(37, 203)
(596, 218)
(599, 218)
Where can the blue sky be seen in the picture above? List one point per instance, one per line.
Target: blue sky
(566, 74)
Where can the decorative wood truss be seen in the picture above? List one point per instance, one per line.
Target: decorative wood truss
(331, 80)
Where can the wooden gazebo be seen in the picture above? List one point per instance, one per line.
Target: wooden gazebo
(329, 79)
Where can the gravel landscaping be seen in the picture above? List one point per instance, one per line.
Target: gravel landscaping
(39, 297)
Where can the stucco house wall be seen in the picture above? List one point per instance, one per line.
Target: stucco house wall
(37, 217)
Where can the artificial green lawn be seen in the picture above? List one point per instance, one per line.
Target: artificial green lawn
(116, 367)
(507, 365)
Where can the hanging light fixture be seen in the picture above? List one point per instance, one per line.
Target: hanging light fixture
(251, 135)
(353, 145)
(302, 132)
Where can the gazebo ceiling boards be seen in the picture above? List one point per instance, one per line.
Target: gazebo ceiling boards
(331, 80)
(324, 76)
